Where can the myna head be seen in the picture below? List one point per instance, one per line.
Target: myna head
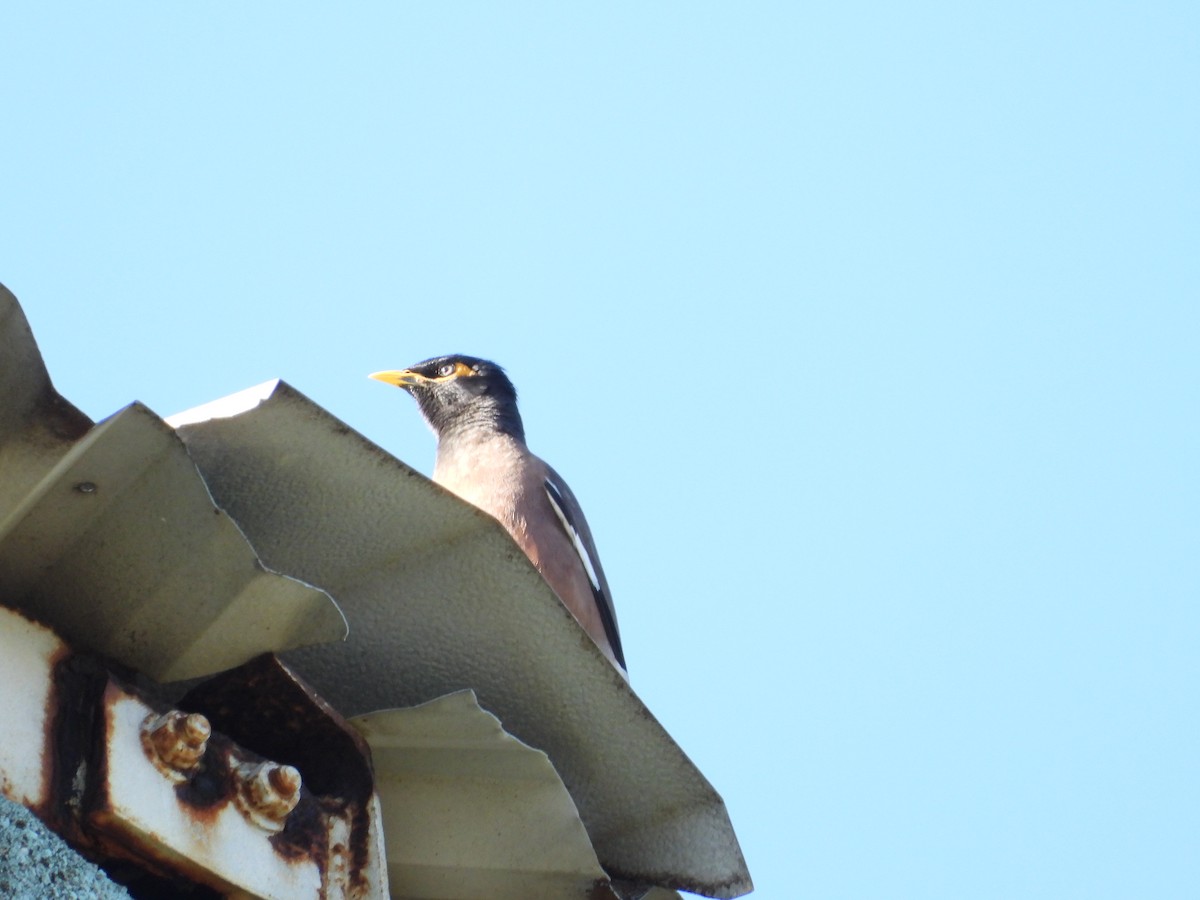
(459, 393)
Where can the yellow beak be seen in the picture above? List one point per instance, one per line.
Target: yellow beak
(399, 377)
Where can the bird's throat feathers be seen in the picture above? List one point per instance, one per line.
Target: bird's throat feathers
(465, 417)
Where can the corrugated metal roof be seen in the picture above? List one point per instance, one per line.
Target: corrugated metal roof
(438, 597)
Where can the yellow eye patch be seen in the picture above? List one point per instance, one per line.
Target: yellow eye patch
(456, 370)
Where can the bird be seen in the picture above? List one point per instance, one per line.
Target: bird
(471, 406)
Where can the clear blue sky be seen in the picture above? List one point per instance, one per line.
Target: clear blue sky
(867, 334)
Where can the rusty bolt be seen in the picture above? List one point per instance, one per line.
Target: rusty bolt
(268, 793)
(175, 742)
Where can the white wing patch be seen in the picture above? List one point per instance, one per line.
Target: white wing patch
(556, 502)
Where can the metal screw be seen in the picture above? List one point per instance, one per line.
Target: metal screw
(268, 793)
(175, 742)
(86, 487)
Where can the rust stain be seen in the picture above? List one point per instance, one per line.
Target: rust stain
(213, 785)
(360, 846)
(305, 835)
(268, 709)
(74, 737)
(50, 752)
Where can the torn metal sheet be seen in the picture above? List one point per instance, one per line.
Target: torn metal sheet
(470, 812)
(172, 587)
(439, 600)
(109, 535)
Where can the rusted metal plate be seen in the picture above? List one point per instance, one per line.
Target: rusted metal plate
(268, 709)
(164, 794)
(196, 826)
(28, 655)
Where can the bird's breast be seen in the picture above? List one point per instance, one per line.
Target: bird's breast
(487, 474)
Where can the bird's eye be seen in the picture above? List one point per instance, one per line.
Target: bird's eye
(446, 370)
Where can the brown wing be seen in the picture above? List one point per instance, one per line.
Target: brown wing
(571, 518)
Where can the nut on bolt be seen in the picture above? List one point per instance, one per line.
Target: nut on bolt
(267, 793)
(175, 742)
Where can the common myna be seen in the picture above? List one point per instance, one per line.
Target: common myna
(481, 455)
